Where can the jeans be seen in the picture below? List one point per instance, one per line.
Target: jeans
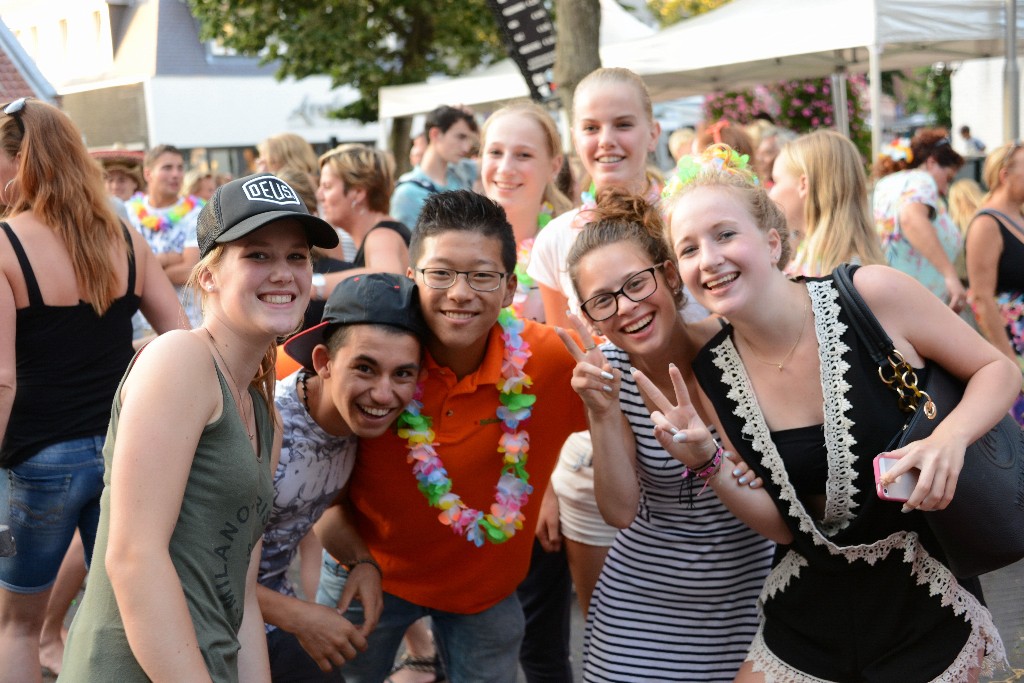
(44, 500)
(289, 663)
(546, 597)
(475, 648)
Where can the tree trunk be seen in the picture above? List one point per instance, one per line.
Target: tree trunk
(399, 144)
(577, 52)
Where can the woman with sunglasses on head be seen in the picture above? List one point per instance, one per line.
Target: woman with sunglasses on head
(995, 257)
(172, 595)
(676, 598)
(65, 340)
(861, 589)
(911, 216)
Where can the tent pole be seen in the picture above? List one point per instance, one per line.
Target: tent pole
(840, 110)
(875, 90)
(1011, 79)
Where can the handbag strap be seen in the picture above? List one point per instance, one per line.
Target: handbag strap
(865, 324)
(893, 369)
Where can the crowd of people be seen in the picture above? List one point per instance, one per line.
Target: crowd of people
(323, 423)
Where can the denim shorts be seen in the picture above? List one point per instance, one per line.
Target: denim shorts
(44, 500)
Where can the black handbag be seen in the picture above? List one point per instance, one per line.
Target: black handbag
(982, 529)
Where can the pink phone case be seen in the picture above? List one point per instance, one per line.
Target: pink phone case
(897, 491)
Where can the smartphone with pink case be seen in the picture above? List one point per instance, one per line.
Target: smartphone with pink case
(897, 491)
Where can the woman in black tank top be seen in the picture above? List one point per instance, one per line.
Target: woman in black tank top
(995, 257)
(72, 276)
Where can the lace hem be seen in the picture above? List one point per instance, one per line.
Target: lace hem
(774, 669)
(780, 576)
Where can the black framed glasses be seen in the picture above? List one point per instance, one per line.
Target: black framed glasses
(14, 110)
(637, 288)
(443, 278)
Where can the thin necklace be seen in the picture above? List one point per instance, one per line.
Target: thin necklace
(234, 385)
(781, 363)
(303, 378)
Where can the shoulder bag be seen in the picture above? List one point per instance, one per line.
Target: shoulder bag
(982, 529)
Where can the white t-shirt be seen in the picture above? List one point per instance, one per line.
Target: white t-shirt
(550, 251)
(548, 264)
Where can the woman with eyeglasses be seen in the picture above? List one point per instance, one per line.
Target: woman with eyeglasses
(911, 216)
(995, 257)
(73, 276)
(676, 598)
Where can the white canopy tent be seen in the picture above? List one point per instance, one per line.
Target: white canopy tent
(760, 41)
(502, 82)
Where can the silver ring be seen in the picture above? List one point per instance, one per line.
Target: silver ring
(590, 348)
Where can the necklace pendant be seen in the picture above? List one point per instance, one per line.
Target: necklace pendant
(780, 367)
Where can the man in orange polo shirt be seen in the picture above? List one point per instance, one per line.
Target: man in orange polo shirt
(453, 530)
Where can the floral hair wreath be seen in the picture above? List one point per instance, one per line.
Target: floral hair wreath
(717, 158)
(898, 150)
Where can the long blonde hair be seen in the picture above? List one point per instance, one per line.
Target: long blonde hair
(995, 162)
(62, 185)
(965, 198)
(288, 149)
(836, 215)
(552, 143)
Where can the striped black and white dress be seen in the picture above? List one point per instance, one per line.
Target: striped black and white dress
(676, 600)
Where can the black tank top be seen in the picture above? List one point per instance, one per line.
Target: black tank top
(69, 361)
(1010, 273)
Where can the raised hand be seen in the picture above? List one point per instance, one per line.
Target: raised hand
(593, 377)
(677, 426)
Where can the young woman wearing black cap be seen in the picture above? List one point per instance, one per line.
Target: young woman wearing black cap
(188, 481)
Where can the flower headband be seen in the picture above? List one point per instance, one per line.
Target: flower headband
(718, 158)
(898, 150)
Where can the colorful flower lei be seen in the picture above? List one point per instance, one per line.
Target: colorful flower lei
(513, 489)
(155, 223)
(526, 247)
(720, 158)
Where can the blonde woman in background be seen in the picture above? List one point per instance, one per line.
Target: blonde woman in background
(995, 257)
(200, 183)
(821, 186)
(286, 149)
(521, 157)
(965, 198)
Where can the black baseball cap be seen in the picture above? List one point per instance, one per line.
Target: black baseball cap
(247, 204)
(370, 299)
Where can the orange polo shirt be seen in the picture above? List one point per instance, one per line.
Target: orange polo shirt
(422, 560)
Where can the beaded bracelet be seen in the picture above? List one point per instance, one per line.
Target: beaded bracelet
(364, 560)
(707, 470)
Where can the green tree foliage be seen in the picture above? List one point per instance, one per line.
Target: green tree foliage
(671, 11)
(928, 90)
(366, 44)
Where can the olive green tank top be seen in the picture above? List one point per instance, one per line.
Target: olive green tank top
(225, 507)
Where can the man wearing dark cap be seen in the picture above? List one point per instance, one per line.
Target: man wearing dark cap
(360, 367)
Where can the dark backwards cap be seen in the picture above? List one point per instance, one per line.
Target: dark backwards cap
(247, 204)
(371, 299)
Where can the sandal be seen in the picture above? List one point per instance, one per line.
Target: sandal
(431, 665)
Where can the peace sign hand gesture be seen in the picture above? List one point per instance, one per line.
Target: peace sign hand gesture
(593, 377)
(678, 427)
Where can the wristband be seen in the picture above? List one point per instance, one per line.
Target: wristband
(349, 566)
(707, 470)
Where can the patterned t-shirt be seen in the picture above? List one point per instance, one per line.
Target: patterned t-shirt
(314, 467)
(891, 194)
